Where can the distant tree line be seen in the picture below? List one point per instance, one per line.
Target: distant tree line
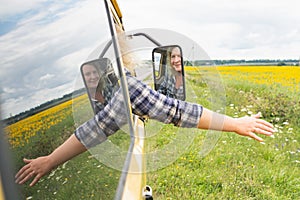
(278, 62)
(67, 97)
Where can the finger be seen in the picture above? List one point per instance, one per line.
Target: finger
(22, 170)
(260, 121)
(27, 177)
(263, 132)
(257, 116)
(27, 160)
(254, 136)
(35, 180)
(262, 129)
(23, 175)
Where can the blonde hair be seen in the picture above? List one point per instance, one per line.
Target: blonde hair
(128, 61)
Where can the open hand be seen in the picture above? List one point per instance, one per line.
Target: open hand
(250, 126)
(34, 168)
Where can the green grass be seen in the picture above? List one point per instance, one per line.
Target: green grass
(83, 177)
(240, 168)
(237, 167)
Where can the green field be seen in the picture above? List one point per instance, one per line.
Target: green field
(237, 168)
(240, 168)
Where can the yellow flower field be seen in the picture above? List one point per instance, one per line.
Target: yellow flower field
(287, 76)
(20, 132)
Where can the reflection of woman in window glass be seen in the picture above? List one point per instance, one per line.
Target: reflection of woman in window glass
(99, 88)
(172, 86)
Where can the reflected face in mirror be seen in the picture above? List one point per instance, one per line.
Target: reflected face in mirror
(168, 71)
(92, 80)
(91, 76)
(176, 59)
(100, 81)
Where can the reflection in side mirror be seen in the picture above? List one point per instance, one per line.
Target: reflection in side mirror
(100, 81)
(168, 71)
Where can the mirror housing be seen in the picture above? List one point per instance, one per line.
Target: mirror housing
(168, 71)
(100, 82)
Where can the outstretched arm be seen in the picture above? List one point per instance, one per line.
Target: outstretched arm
(37, 168)
(245, 126)
(145, 102)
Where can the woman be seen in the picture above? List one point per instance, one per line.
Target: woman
(172, 86)
(174, 111)
(100, 87)
(144, 102)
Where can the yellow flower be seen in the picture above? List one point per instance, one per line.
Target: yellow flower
(20, 132)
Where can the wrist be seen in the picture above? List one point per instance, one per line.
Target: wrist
(233, 125)
(52, 163)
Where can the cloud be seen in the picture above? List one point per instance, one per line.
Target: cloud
(10, 8)
(23, 102)
(9, 90)
(45, 50)
(43, 43)
(46, 77)
(225, 28)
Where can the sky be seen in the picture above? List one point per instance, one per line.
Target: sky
(43, 42)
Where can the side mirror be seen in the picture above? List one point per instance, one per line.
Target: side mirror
(100, 81)
(168, 71)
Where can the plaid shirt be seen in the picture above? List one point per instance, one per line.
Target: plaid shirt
(107, 92)
(168, 88)
(145, 102)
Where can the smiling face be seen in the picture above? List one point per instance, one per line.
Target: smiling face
(91, 76)
(176, 59)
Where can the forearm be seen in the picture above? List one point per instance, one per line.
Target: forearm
(215, 121)
(245, 126)
(69, 149)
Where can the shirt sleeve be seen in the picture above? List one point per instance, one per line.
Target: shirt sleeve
(145, 102)
(150, 103)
